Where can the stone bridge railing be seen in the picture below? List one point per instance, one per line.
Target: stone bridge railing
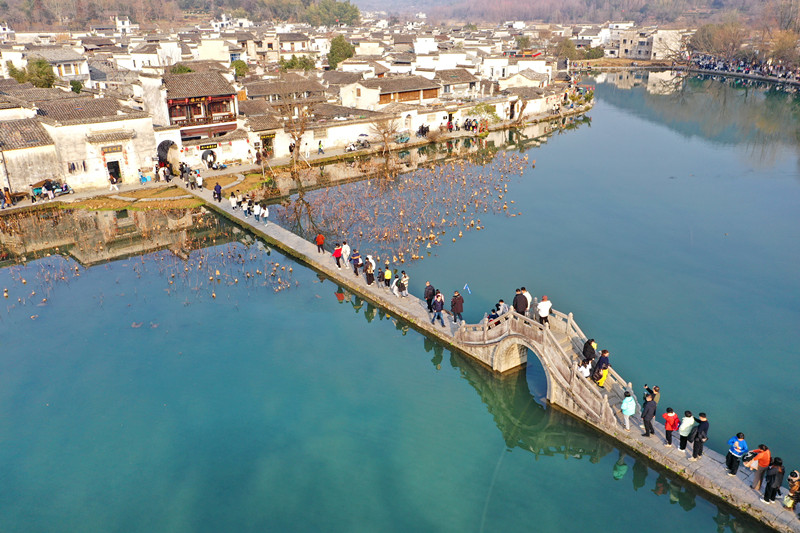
(558, 348)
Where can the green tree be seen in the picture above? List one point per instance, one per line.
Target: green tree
(340, 50)
(303, 62)
(240, 68)
(595, 53)
(566, 48)
(523, 42)
(180, 68)
(40, 73)
(14, 72)
(76, 86)
(470, 27)
(332, 13)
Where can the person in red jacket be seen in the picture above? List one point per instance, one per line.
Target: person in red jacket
(671, 423)
(320, 240)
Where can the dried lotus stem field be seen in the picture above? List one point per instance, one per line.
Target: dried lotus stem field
(402, 217)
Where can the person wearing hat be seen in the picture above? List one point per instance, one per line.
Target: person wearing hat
(543, 310)
(794, 490)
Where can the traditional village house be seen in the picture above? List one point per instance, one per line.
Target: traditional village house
(97, 138)
(294, 44)
(202, 104)
(456, 83)
(377, 93)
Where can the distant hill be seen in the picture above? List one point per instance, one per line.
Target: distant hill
(563, 11)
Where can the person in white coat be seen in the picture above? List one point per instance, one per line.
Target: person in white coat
(346, 252)
(543, 310)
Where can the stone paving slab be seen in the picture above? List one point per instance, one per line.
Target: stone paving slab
(708, 472)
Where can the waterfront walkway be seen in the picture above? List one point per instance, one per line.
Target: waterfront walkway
(506, 342)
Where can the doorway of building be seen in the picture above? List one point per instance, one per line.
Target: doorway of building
(114, 170)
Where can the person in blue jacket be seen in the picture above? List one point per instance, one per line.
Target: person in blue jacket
(737, 448)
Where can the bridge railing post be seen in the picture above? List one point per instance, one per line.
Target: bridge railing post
(570, 322)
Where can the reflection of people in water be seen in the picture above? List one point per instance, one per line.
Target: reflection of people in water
(639, 474)
(369, 314)
(339, 294)
(620, 468)
(358, 303)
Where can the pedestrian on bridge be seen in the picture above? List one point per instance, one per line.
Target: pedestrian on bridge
(502, 308)
(529, 298)
(457, 307)
(320, 241)
(648, 413)
(589, 350)
(774, 480)
(763, 458)
(520, 303)
(628, 408)
(369, 270)
(543, 310)
(600, 372)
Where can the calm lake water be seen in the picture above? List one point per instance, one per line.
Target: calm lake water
(143, 396)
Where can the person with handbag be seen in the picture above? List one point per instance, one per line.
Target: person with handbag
(687, 425)
(763, 458)
(700, 437)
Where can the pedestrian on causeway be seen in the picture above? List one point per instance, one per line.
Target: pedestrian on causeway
(763, 459)
(429, 293)
(405, 280)
(457, 307)
(345, 252)
(369, 270)
(687, 425)
(671, 423)
(737, 448)
(700, 437)
(387, 276)
(648, 413)
(774, 480)
(356, 260)
(337, 255)
(320, 240)
(438, 306)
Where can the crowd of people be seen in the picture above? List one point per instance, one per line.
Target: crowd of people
(769, 470)
(595, 365)
(762, 68)
(247, 203)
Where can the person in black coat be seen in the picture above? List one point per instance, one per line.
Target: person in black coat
(430, 292)
(700, 437)
(648, 413)
(774, 480)
(589, 350)
(457, 307)
(520, 303)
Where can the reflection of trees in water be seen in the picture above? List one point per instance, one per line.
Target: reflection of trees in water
(731, 111)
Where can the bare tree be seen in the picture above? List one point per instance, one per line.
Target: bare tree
(386, 129)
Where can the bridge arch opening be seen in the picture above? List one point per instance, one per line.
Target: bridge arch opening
(516, 349)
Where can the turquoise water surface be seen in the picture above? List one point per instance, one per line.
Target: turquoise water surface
(143, 396)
